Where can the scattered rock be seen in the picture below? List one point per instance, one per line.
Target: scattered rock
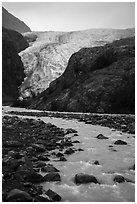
(110, 145)
(85, 178)
(70, 130)
(59, 154)
(96, 162)
(76, 141)
(80, 149)
(53, 195)
(75, 135)
(63, 159)
(120, 142)
(69, 151)
(119, 179)
(100, 136)
(132, 167)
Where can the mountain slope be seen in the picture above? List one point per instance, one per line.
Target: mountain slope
(99, 79)
(49, 52)
(9, 21)
(12, 66)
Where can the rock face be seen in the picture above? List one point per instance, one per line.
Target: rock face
(11, 22)
(12, 66)
(99, 79)
(49, 52)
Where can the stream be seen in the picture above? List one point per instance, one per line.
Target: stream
(113, 160)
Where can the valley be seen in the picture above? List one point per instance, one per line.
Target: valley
(102, 158)
(68, 105)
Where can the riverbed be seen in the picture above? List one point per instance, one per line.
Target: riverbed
(113, 159)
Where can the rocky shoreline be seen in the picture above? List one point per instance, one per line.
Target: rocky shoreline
(27, 146)
(122, 122)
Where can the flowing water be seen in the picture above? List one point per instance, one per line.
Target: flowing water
(111, 163)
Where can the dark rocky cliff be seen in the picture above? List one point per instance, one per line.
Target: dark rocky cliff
(12, 66)
(9, 21)
(99, 79)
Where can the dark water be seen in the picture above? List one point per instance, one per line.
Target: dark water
(111, 163)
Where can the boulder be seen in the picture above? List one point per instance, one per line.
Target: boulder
(39, 147)
(59, 154)
(85, 178)
(100, 136)
(80, 149)
(53, 195)
(76, 141)
(52, 176)
(17, 195)
(12, 144)
(43, 158)
(119, 179)
(70, 130)
(63, 159)
(28, 176)
(69, 151)
(120, 142)
(40, 198)
(96, 162)
(49, 168)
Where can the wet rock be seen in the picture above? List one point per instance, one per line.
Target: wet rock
(85, 178)
(119, 179)
(53, 195)
(113, 150)
(67, 144)
(42, 199)
(100, 136)
(34, 159)
(88, 122)
(63, 159)
(28, 176)
(7, 175)
(69, 151)
(124, 128)
(80, 149)
(120, 142)
(52, 176)
(17, 195)
(14, 164)
(43, 158)
(15, 155)
(39, 147)
(40, 164)
(76, 141)
(70, 130)
(132, 167)
(59, 154)
(49, 168)
(96, 162)
(12, 144)
(75, 135)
